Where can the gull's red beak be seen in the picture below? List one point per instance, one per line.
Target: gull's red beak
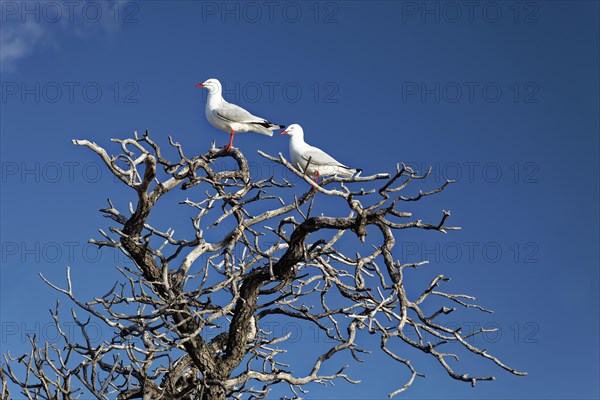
(283, 132)
(200, 85)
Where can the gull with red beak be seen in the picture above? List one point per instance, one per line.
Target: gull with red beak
(312, 160)
(231, 118)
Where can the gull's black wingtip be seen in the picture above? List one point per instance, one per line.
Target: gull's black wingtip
(281, 126)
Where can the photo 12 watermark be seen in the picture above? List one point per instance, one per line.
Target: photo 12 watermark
(69, 12)
(475, 172)
(255, 12)
(470, 92)
(51, 172)
(526, 332)
(326, 92)
(470, 12)
(21, 331)
(69, 92)
(27, 253)
(471, 252)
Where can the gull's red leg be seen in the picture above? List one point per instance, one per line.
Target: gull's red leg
(313, 190)
(228, 147)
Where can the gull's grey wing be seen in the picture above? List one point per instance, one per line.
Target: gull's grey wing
(318, 157)
(232, 113)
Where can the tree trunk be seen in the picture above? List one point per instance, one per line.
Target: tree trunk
(214, 392)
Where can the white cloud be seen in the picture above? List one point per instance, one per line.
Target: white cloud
(27, 26)
(17, 40)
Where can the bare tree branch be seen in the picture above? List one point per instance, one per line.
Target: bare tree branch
(189, 321)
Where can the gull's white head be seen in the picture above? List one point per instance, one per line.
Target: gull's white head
(212, 85)
(293, 130)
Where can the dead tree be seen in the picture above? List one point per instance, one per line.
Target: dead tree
(274, 259)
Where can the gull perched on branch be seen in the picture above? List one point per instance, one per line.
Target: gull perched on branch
(312, 160)
(230, 117)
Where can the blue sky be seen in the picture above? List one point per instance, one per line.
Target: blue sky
(501, 95)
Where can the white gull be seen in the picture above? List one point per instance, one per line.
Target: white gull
(231, 118)
(312, 160)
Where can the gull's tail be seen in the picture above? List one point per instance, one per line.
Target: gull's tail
(348, 172)
(267, 128)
